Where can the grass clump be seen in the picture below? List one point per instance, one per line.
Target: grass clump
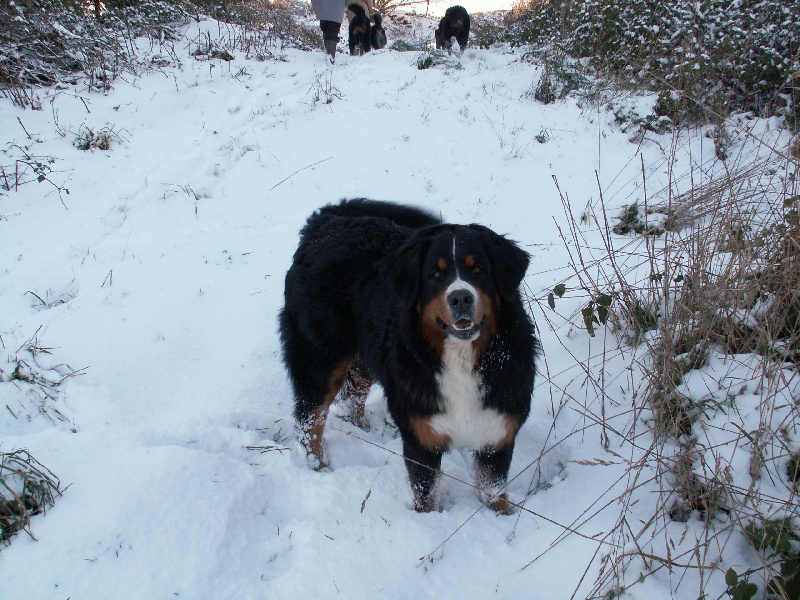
(560, 76)
(27, 488)
(437, 58)
(631, 221)
(409, 45)
(96, 139)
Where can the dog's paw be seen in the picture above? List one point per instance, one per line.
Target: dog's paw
(497, 501)
(317, 463)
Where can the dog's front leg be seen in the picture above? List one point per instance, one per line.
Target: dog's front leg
(423, 469)
(491, 473)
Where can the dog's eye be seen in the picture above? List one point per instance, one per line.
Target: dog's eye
(438, 275)
(477, 270)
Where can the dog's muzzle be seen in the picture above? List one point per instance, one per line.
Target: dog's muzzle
(461, 303)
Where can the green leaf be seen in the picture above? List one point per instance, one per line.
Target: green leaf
(602, 314)
(657, 277)
(791, 567)
(603, 300)
(560, 289)
(40, 178)
(678, 279)
(753, 532)
(731, 577)
(551, 301)
(745, 591)
(792, 588)
(588, 319)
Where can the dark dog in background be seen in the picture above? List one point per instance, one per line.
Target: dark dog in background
(388, 293)
(454, 24)
(359, 30)
(378, 33)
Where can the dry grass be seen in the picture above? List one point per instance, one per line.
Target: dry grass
(715, 298)
(27, 488)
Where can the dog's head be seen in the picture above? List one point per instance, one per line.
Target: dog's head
(456, 277)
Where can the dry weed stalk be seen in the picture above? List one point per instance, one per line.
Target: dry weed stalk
(722, 289)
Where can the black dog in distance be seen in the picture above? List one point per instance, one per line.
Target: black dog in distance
(454, 24)
(359, 30)
(377, 33)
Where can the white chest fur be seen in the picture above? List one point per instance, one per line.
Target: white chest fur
(464, 420)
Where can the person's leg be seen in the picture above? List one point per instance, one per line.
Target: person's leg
(330, 37)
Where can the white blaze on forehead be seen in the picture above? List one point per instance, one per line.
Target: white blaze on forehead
(460, 284)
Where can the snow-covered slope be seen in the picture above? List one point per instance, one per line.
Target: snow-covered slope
(155, 286)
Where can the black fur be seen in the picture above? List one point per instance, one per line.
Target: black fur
(454, 24)
(359, 30)
(365, 282)
(377, 34)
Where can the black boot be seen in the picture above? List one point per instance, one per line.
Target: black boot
(330, 48)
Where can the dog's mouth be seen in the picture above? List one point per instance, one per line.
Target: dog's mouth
(463, 329)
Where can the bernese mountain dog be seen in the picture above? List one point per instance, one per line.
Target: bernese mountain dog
(358, 30)
(381, 292)
(454, 24)
(377, 34)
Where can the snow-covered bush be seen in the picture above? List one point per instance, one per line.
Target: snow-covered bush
(46, 42)
(707, 58)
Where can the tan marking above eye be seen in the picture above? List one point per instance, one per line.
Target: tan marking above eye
(469, 261)
(441, 264)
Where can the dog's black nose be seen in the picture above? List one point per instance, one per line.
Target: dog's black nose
(460, 301)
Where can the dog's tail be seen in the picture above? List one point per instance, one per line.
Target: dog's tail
(357, 8)
(405, 216)
(377, 19)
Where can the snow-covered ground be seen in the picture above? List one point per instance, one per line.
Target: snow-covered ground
(154, 285)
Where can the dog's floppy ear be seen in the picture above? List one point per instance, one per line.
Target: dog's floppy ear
(509, 262)
(403, 267)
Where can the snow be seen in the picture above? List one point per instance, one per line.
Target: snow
(156, 284)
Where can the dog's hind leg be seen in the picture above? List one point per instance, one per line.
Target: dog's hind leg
(366, 45)
(354, 394)
(316, 379)
(313, 399)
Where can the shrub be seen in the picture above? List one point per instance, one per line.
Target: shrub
(34, 51)
(706, 58)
